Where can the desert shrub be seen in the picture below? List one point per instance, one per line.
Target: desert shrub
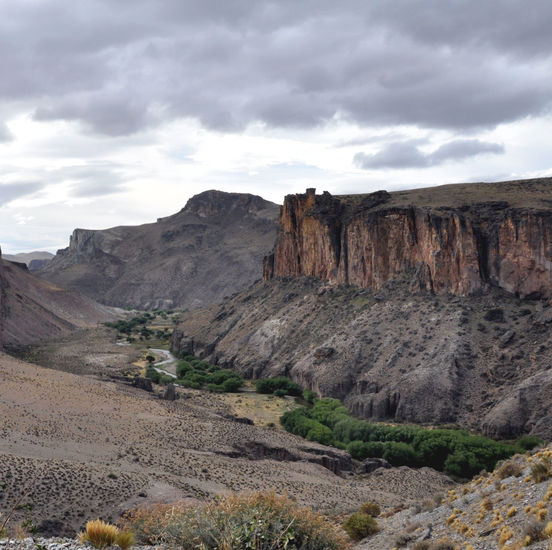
(534, 531)
(529, 442)
(165, 379)
(270, 385)
(540, 471)
(215, 388)
(125, 539)
(99, 533)
(371, 508)
(421, 545)
(259, 521)
(402, 540)
(280, 393)
(359, 526)
(508, 469)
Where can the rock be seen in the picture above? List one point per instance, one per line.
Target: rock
(506, 338)
(323, 353)
(452, 248)
(142, 383)
(170, 393)
(544, 317)
(371, 464)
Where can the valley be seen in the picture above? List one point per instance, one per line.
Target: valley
(429, 308)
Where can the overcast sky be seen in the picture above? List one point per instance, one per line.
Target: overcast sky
(116, 112)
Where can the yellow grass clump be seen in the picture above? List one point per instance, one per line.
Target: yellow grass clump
(99, 533)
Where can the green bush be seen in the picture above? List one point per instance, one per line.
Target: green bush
(280, 393)
(153, 375)
(529, 442)
(359, 526)
(310, 396)
(371, 508)
(270, 385)
(197, 374)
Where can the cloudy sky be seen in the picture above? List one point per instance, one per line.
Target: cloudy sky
(117, 111)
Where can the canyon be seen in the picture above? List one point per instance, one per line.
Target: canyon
(428, 306)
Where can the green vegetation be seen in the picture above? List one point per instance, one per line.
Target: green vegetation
(360, 525)
(455, 452)
(258, 521)
(194, 373)
(137, 327)
(280, 386)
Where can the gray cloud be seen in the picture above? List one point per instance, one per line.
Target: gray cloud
(5, 134)
(92, 179)
(406, 154)
(11, 191)
(126, 66)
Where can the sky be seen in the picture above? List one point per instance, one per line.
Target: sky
(115, 112)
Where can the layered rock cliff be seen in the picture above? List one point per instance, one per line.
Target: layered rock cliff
(452, 239)
(210, 249)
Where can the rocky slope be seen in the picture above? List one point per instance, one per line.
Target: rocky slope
(454, 238)
(510, 508)
(482, 361)
(210, 249)
(32, 309)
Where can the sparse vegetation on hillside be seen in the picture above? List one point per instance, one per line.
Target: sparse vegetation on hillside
(258, 521)
(456, 452)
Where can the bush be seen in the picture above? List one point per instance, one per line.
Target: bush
(359, 526)
(99, 533)
(508, 469)
(310, 396)
(371, 508)
(270, 385)
(529, 442)
(540, 471)
(125, 539)
(260, 521)
(232, 384)
(153, 375)
(534, 530)
(280, 393)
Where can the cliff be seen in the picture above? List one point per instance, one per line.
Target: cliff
(210, 249)
(457, 239)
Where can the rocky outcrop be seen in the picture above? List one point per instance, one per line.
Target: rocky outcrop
(210, 249)
(456, 246)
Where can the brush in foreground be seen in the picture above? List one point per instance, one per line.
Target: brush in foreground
(101, 535)
(260, 521)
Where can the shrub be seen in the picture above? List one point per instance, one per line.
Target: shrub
(153, 375)
(421, 545)
(125, 539)
(359, 526)
(310, 396)
(508, 469)
(280, 393)
(534, 531)
(371, 508)
(259, 520)
(540, 471)
(529, 442)
(99, 533)
(232, 384)
(270, 385)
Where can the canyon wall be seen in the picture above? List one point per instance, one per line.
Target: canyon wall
(459, 248)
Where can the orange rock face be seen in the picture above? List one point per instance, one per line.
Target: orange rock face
(445, 249)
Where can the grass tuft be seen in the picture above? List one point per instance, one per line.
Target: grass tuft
(99, 533)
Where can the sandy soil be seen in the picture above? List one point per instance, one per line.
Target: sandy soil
(76, 447)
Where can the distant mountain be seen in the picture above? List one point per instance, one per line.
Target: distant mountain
(210, 249)
(32, 309)
(34, 260)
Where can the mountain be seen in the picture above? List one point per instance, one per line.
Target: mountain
(32, 309)
(34, 260)
(428, 306)
(210, 249)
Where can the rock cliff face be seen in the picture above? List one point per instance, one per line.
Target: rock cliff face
(210, 249)
(448, 240)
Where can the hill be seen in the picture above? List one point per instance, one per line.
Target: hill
(210, 249)
(34, 260)
(32, 309)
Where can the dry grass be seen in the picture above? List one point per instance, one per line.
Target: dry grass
(125, 539)
(540, 471)
(99, 533)
(508, 469)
